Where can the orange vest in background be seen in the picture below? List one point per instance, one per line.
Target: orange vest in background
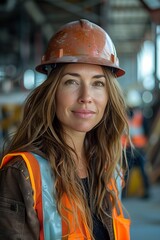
(136, 131)
(137, 134)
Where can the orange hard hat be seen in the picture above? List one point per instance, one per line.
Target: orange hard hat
(81, 42)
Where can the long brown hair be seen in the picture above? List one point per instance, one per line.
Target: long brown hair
(41, 132)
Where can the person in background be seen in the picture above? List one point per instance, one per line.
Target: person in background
(136, 154)
(57, 177)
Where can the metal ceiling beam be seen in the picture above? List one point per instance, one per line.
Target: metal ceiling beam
(39, 18)
(75, 9)
(153, 7)
(8, 6)
(89, 3)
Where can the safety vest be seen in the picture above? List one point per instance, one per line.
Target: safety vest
(136, 130)
(52, 226)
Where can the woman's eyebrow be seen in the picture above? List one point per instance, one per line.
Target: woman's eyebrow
(78, 75)
(99, 76)
(72, 74)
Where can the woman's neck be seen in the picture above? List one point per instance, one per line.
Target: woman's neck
(81, 163)
(77, 143)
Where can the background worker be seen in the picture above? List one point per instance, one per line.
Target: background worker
(136, 155)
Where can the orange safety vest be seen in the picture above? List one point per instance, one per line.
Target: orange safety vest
(121, 225)
(136, 131)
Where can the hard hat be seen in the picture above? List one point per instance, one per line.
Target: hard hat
(81, 42)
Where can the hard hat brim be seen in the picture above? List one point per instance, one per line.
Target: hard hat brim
(42, 68)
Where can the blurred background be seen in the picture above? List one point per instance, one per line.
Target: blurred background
(134, 26)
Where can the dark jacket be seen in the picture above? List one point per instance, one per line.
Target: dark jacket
(18, 219)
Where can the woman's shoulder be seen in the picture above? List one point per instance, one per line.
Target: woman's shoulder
(16, 162)
(14, 178)
(17, 165)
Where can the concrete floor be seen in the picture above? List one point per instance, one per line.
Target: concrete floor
(145, 215)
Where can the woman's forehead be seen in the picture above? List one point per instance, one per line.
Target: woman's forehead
(79, 67)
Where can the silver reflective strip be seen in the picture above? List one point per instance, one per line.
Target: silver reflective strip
(51, 217)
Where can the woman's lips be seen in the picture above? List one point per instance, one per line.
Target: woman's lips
(83, 113)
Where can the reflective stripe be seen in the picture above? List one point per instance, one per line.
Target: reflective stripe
(51, 217)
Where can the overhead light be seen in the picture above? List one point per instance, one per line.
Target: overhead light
(29, 79)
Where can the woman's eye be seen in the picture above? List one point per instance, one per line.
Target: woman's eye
(99, 84)
(70, 82)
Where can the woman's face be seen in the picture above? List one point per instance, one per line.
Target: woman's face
(81, 97)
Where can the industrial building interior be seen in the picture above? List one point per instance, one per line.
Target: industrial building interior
(134, 26)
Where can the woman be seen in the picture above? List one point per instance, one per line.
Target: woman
(57, 178)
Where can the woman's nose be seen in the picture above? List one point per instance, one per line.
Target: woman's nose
(85, 95)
